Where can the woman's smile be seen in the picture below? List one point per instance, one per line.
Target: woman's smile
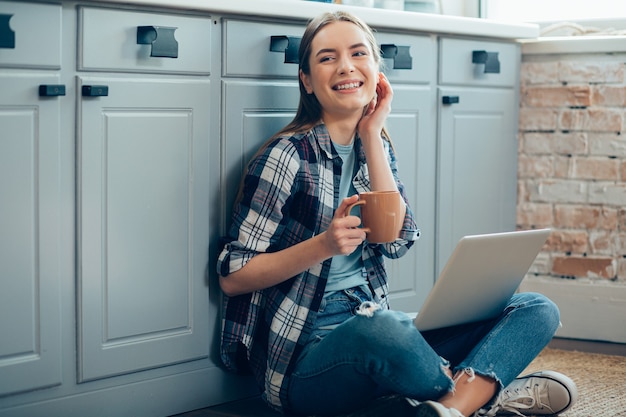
(344, 72)
(348, 86)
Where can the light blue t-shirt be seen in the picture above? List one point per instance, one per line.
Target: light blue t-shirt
(346, 271)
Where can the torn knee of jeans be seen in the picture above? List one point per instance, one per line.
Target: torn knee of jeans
(471, 374)
(367, 308)
(445, 368)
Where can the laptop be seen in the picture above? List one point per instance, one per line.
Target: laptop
(480, 277)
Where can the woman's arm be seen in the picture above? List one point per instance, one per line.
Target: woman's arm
(268, 269)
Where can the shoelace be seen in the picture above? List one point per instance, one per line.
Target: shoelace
(521, 402)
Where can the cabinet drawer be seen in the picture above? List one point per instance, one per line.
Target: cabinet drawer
(23, 46)
(247, 49)
(408, 58)
(118, 40)
(475, 62)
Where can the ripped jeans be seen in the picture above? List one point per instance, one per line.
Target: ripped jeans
(351, 358)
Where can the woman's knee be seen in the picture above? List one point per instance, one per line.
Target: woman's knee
(386, 329)
(545, 311)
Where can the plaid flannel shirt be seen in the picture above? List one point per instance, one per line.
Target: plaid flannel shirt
(290, 193)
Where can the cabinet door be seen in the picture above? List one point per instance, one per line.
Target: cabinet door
(253, 112)
(477, 187)
(29, 235)
(143, 192)
(412, 129)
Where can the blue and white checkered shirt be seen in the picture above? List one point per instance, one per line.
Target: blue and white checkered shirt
(290, 194)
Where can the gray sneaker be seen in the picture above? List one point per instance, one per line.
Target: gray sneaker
(537, 394)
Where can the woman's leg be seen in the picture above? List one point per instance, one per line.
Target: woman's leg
(489, 355)
(365, 358)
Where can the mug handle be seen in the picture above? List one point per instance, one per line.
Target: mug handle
(351, 206)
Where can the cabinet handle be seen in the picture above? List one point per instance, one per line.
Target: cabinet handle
(95, 91)
(7, 36)
(51, 90)
(162, 39)
(490, 59)
(287, 44)
(450, 99)
(401, 55)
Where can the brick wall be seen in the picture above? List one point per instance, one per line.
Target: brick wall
(572, 164)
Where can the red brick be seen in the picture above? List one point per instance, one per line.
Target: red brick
(592, 119)
(555, 142)
(585, 217)
(534, 215)
(535, 166)
(539, 73)
(595, 169)
(608, 95)
(591, 72)
(568, 241)
(557, 96)
(601, 242)
(537, 119)
(583, 267)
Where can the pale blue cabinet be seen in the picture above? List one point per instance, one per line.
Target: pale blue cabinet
(109, 187)
(143, 175)
(477, 119)
(30, 341)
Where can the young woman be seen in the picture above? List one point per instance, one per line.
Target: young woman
(306, 294)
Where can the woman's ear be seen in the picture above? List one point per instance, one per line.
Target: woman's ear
(305, 82)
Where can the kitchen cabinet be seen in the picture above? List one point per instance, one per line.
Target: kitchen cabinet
(30, 348)
(117, 315)
(477, 117)
(143, 196)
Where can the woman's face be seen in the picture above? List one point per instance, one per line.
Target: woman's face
(344, 72)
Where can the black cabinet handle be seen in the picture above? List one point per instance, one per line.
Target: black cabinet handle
(51, 90)
(7, 36)
(95, 91)
(450, 99)
(490, 59)
(162, 39)
(287, 44)
(401, 55)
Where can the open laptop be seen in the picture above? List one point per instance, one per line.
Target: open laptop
(480, 277)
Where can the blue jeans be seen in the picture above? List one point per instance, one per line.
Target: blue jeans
(351, 359)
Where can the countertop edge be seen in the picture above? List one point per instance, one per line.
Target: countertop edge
(377, 18)
(574, 45)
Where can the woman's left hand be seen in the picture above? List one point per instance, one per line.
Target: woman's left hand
(376, 112)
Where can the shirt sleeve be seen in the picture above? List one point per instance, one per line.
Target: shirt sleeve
(257, 217)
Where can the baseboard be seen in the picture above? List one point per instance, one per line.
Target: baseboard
(590, 310)
(589, 346)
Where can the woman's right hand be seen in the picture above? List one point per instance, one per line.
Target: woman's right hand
(343, 235)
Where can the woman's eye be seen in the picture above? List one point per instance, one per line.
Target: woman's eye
(360, 53)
